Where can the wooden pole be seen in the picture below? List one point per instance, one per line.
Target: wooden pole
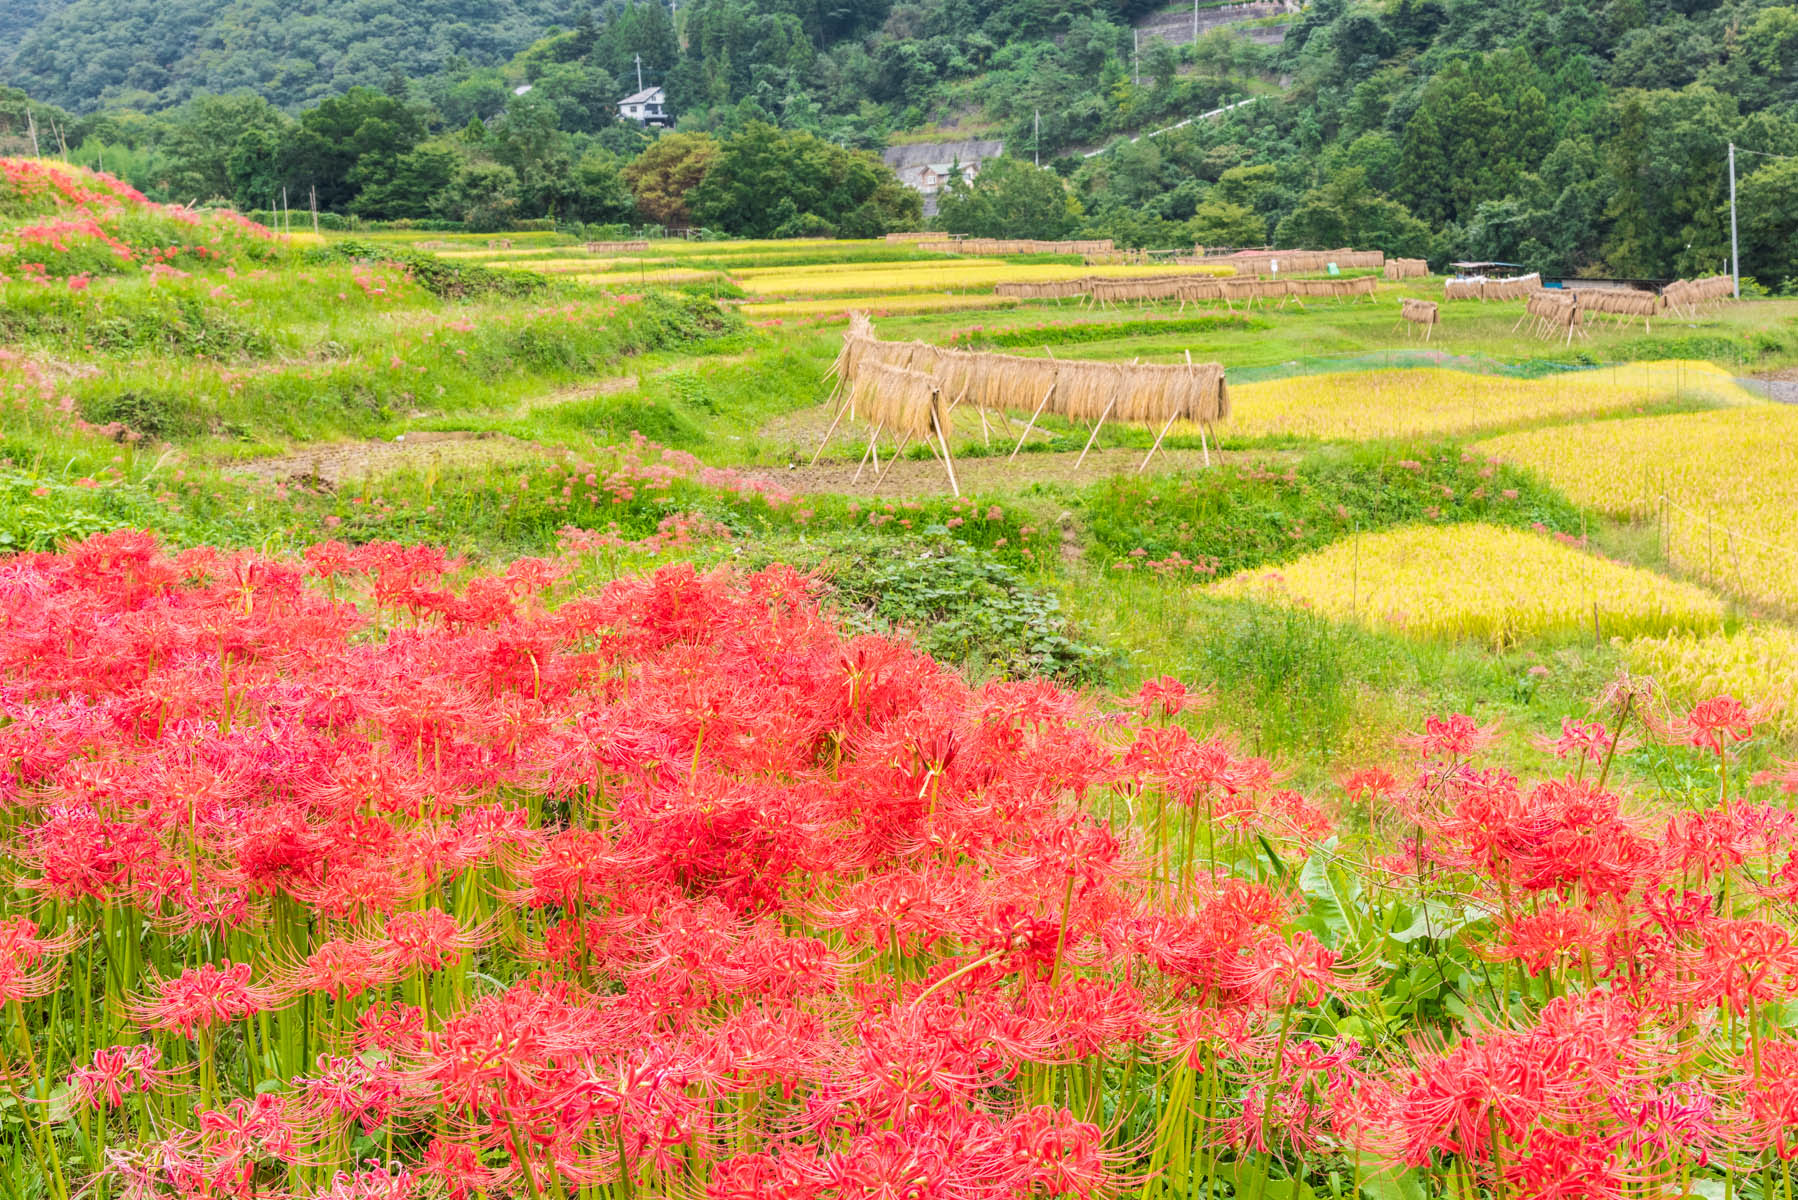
(1032, 422)
(1098, 425)
(1204, 446)
(891, 463)
(948, 458)
(868, 451)
(1157, 445)
(841, 409)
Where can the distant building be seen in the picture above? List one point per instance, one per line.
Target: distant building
(927, 168)
(647, 107)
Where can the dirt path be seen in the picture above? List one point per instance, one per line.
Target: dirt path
(925, 477)
(336, 463)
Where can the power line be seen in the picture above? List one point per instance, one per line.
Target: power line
(1763, 153)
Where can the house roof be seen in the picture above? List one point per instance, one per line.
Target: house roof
(649, 95)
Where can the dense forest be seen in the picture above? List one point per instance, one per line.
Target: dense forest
(1571, 137)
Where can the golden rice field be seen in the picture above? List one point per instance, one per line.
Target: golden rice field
(1721, 486)
(1428, 401)
(1757, 665)
(926, 276)
(910, 302)
(1487, 582)
(617, 280)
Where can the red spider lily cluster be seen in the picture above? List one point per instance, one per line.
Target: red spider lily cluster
(60, 225)
(362, 875)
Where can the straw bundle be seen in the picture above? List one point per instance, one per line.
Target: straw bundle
(1333, 288)
(1691, 294)
(1619, 301)
(903, 403)
(1419, 312)
(1461, 289)
(1406, 268)
(616, 247)
(499, 243)
(915, 236)
(1079, 389)
(1518, 287)
(1553, 313)
(1051, 289)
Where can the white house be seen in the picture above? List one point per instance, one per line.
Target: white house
(648, 107)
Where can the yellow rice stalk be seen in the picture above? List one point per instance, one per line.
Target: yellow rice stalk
(1721, 488)
(1430, 401)
(1758, 665)
(1488, 582)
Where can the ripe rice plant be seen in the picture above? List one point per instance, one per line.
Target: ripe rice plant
(1721, 486)
(1759, 664)
(1488, 582)
(924, 276)
(356, 877)
(1428, 401)
(900, 303)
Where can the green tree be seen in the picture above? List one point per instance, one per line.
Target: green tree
(664, 175)
(418, 187)
(1669, 196)
(202, 136)
(1219, 223)
(1767, 201)
(1345, 212)
(1010, 198)
(808, 177)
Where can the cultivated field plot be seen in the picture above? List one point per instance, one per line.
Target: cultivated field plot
(1425, 402)
(1721, 488)
(1485, 582)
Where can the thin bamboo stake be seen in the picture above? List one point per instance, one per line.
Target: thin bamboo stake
(865, 453)
(828, 432)
(1204, 446)
(1032, 422)
(1157, 445)
(1097, 425)
(948, 458)
(892, 462)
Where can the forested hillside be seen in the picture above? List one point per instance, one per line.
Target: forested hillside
(83, 54)
(1572, 137)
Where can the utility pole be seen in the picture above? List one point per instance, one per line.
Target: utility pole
(639, 72)
(1136, 54)
(1037, 148)
(314, 210)
(31, 121)
(1735, 252)
(1195, 23)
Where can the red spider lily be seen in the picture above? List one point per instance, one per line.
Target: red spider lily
(1452, 738)
(26, 969)
(116, 1072)
(1166, 697)
(1586, 741)
(204, 996)
(1718, 723)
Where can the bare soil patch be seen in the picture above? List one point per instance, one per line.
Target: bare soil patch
(336, 463)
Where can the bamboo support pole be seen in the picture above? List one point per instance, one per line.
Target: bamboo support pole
(1097, 425)
(1157, 445)
(1031, 424)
